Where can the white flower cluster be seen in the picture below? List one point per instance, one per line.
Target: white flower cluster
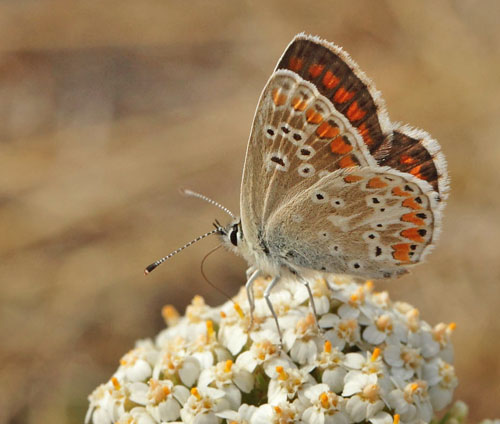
(373, 360)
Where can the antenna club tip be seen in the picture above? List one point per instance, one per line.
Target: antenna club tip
(150, 268)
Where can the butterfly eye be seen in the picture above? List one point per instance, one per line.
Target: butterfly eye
(233, 236)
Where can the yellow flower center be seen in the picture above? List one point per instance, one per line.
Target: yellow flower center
(170, 315)
(384, 323)
(282, 374)
(238, 309)
(196, 393)
(370, 392)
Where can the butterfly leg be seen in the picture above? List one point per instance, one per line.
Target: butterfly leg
(267, 293)
(311, 300)
(250, 270)
(251, 299)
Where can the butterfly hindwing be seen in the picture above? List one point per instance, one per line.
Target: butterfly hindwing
(371, 222)
(415, 152)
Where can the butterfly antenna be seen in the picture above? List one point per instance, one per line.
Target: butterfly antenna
(152, 266)
(207, 199)
(205, 276)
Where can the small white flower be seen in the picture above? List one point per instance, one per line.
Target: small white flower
(259, 353)
(162, 399)
(383, 328)
(136, 415)
(331, 363)
(323, 406)
(412, 403)
(207, 349)
(284, 413)
(282, 300)
(242, 416)
(442, 381)
(234, 324)
(382, 418)
(303, 340)
(405, 361)
(366, 402)
(107, 403)
(321, 294)
(354, 304)
(203, 405)
(286, 381)
(173, 365)
(199, 311)
(341, 332)
(136, 364)
(233, 380)
(442, 334)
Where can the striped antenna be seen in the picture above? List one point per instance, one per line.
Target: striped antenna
(151, 267)
(207, 199)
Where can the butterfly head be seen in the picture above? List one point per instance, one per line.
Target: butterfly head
(232, 234)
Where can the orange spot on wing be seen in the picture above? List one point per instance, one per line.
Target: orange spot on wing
(410, 203)
(416, 171)
(330, 80)
(313, 117)
(339, 146)
(352, 178)
(406, 160)
(295, 63)
(412, 234)
(325, 130)
(413, 218)
(365, 133)
(355, 113)
(279, 99)
(347, 162)
(398, 191)
(376, 182)
(401, 252)
(299, 103)
(342, 95)
(315, 70)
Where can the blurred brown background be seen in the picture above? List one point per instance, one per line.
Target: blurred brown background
(108, 107)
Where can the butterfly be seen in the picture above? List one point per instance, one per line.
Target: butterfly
(330, 185)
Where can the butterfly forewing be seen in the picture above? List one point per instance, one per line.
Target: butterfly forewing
(297, 138)
(339, 79)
